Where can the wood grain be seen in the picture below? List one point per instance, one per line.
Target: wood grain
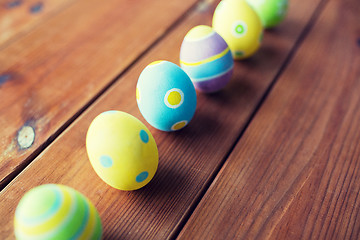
(188, 159)
(48, 75)
(20, 16)
(295, 172)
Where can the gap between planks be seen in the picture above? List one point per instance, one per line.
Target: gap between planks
(197, 5)
(319, 9)
(288, 46)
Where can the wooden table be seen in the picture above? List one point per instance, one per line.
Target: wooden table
(275, 155)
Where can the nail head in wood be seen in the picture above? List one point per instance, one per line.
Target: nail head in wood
(26, 137)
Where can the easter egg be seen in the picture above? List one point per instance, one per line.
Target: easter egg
(54, 211)
(206, 58)
(165, 96)
(240, 27)
(121, 150)
(271, 12)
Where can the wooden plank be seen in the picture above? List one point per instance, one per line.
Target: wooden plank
(295, 172)
(18, 16)
(50, 74)
(188, 159)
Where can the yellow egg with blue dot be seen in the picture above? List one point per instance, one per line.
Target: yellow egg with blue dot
(121, 150)
(166, 96)
(54, 211)
(240, 26)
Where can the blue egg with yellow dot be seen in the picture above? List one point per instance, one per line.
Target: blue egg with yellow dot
(166, 96)
(121, 150)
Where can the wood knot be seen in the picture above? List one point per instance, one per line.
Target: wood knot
(26, 137)
(4, 78)
(14, 3)
(36, 8)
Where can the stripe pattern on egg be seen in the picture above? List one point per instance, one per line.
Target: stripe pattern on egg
(54, 211)
(206, 58)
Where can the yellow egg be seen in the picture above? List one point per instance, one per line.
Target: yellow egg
(240, 27)
(121, 150)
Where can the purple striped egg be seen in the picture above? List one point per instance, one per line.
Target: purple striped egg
(206, 58)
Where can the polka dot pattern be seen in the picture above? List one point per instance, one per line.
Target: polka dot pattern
(174, 98)
(106, 161)
(239, 29)
(142, 176)
(144, 136)
(137, 94)
(239, 53)
(179, 125)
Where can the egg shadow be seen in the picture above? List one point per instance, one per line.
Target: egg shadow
(197, 128)
(166, 183)
(110, 236)
(273, 31)
(163, 188)
(237, 86)
(220, 97)
(266, 60)
(238, 92)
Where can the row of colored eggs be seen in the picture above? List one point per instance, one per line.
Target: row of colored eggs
(121, 149)
(206, 59)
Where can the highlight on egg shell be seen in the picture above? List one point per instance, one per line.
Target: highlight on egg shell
(166, 96)
(54, 211)
(271, 12)
(240, 26)
(206, 58)
(122, 150)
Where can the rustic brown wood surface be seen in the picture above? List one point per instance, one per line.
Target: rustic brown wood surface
(295, 172)
(20, 16)
(48, 75)
(189, 159)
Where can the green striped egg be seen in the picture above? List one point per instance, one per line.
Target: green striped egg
(55, 211)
